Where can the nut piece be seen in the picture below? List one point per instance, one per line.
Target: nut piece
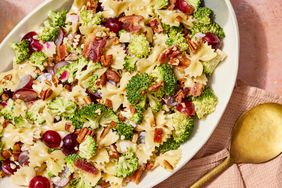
(104, 132)
(108, 103)
(16, 151)
(55, 80)
(167, 165)
(5, 123)
(136, 177)
(193, 45)
(83, 133)
(112, 75)
(156, 86)
(102, 80)
(6, 154)
(8, 77)
(4, 97)
(87, 99)
(45, 94)
(69, 127)
(150, 165)
(113, 153)
(107, 60)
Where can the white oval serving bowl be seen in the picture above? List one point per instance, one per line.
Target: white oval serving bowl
(222, 82)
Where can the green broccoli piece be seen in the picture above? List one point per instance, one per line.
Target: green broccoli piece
(127, 164)
(195, 3)
(48, 33)
(166, 74)
(107, 117)
(124, 130)
(70, 159)
(57, 19)
(136, 88)
(87, 148)
(88, 77)
(38, 59)
(88, 17)
(61, 106)
(130, 63)
(159, 4)
(155, 103)
(168, 145)
(33, 114)
(183, 125)
(21, 51)
(176, 37)
(8, 113)
(90, 83)
(139, 46)
(137, 117)
(79, 183)
(203, 15)
(213, 28)
(205, 103)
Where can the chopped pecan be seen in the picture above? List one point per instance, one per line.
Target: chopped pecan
(8, 77)
(136, 177)
(86, 166)
(40, 170)
(45, 94)
(6, 154)
(194, 45)
(83, 133)
(132, 109)
(167, 165)
(55, 80)
(156, 86)
(61, 52)
(150, 165)
(87, 99)
(112, 75)
(120, 117)
(108, 103)
(132, 23)
(171, 4)
(104, 132)
(68, 87)
(155, 25)
(102, 80)
(5, 123)
(4, 97)
(93, 49)
(179, 96)
(113, 124)
(107, 60)
(113, 153)
(158, 135)
(92, 5)
(169, 54)
(16, 150)
(69, 127)
(196, 90)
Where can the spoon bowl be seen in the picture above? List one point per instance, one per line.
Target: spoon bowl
(256, 138)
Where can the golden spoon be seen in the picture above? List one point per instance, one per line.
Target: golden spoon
(256, 138)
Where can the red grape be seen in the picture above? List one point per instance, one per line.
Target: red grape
(113, 24)
(52, 139)
(183, 6)
(213, 40)
(39, 182)
(35, 45)
(9, 167)
(69, 144)
(29, 36)
(186, 107)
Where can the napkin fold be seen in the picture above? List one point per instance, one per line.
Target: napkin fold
(263, 175)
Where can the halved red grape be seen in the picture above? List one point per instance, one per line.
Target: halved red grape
(69, 144)
(35, 45)
(52, 139)
(113, 24)
(29, 36)
(183, 6)
(64, 76)
(39, 182)
(213, 40)
(25, 82)
(26, 95)
(9, 167)
(186, 107)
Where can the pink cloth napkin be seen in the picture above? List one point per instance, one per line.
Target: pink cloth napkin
(216, 149)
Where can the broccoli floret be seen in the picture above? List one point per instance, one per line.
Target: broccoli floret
(213, 28)
(139, 46)
(183, 125)
(57, 19)
(8, 113)
(176, 37)
(195, 3)
(61, 106)
(38, 59)
(155, 103)
(87, 148)
(204, 15)
(127, 164)
(33, 114)
(88, 77)
(79, 183)
(166, 74)
(48, 33)
(137, 117)
(21, 51)
(136, 88)
(124, 130)
(107, 117)
(168, 145)
(70, 159)
(205, 103)
(130, 63)
(88, 17)
(159, 4)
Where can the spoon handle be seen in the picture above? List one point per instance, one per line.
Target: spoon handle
(213, 173)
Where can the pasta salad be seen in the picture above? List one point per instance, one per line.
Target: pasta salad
(107, 91)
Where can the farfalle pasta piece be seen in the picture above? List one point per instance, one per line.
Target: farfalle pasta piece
(23, 176)
(118, 54)
(110, 138)
(113, 180)
(173, 17)
(169, 159)
(102, 157)
(113, 8)
(140, 7)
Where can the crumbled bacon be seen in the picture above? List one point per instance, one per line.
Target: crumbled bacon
(156, 86)
(92, 5)
(196, 90)
(131, 23)
(108, 103)
(158, 135)
(61, 53)
(94, 49)
(155, 25)
(181, 94)
(113, 76)
(86, 166)
(107, 60)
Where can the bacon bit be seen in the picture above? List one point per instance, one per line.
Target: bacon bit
(181, 94)
(169, 54)
(171, 4)
(92, 5)
(4, 97)
(167, 165)
(196, 90)
(156, 26)
(5, 123)
(156, 86)
(104, 132)
(94, 49)
(61, 53)
(120, 117)
(112, 75)
(6, 154)
(107, 60)
(69, 127)
(136, 177)
(194, 46)
(158, 135)
(102, 80)
(132, 109)
(150, 165)
(104, 184)
(131, 23)
(83, 133)
(108, 103)
(16, 150)
(113, 153)
(86, 166)
(113, 124)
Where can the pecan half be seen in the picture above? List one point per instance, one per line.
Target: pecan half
(61, 52)
(45, 94)
(167, 165)
(113, 153)
(107, 60)
(105, 132)
(150, 165)
(5, 123)
(194, 46)
(101, 81)
(132, 23)
(93, 49)
(169, 54)
(4, 97)
(108, 103)
(112, 75)
(136, 177)
(16, 150)
(83, 133)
